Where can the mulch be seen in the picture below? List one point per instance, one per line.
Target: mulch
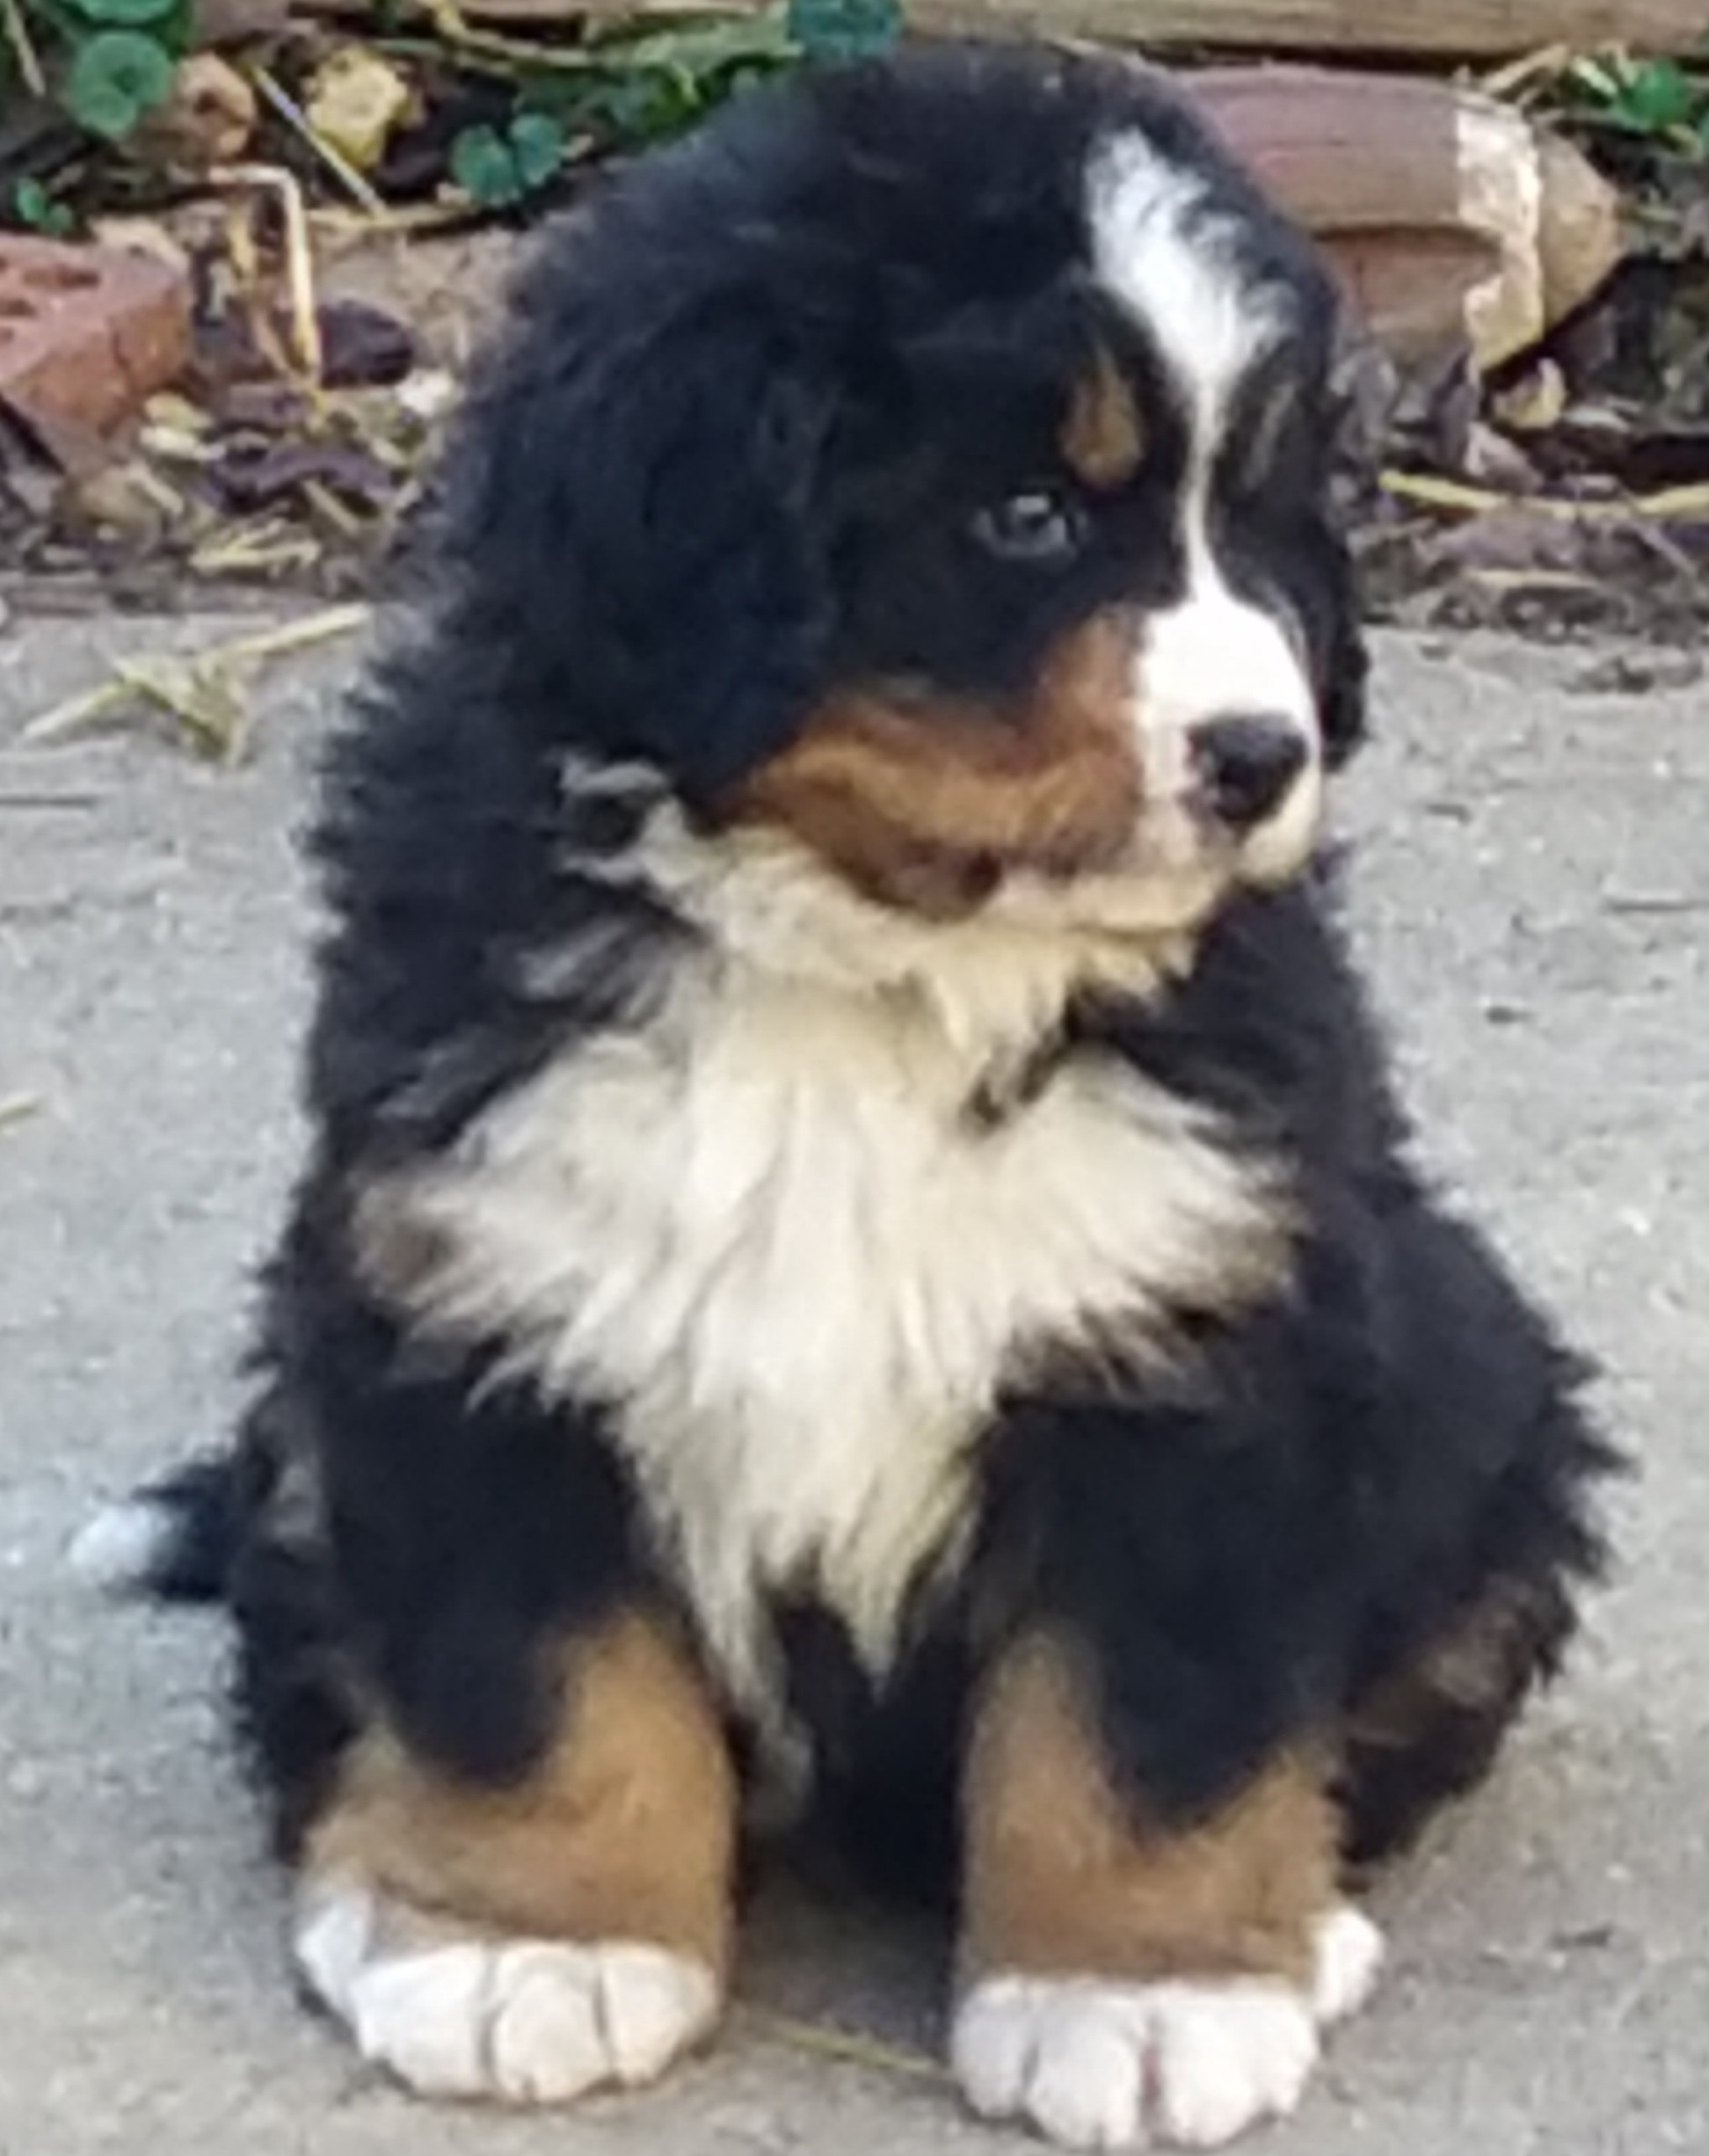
(1567, 498)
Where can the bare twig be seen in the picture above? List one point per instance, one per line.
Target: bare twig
(1535, 580)
(1667, 504)
(1653, 534)
(198, 689)
(299, 252)
(1658, 907)
(331, 511)
(296, 636)
(344, 227)
(74, 713)
(272, 545)
(292, 113)
(853, 2050)
(22, 48)
(18, 1107)
(453, 28)
(1514, 76)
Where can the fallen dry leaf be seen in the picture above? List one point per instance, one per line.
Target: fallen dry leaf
(129, 501)
(1493, 461)
(1516, 539)
(355, 101)
(146, 235)
(1535, 402)
(363, 346)
(263, 407)
(236, 21)
(202, 696)
(428, 394)
(263, 478)
(208, 119)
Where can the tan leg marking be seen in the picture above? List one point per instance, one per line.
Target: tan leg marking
(1123, 1981)
(536, 1943)
(1061, 1875)
(625, 1828)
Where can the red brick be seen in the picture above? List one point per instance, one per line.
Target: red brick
(87, 333)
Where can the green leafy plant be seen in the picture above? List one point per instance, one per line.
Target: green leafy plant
(115, 77)
(1656, 100)
(498, 168)
(843, 29)
(36, 210)
(108, 63)
(643, 89)
(650, 88)
(122, 14)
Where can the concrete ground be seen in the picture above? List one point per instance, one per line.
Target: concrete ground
(1535, 894)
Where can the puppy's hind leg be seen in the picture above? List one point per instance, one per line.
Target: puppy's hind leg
(1430, 1733)
(1492, 1406)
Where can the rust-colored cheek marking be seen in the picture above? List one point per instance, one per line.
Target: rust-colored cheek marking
(927, 801)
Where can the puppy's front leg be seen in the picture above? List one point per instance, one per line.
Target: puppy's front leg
(1123, 1983)
(534, 1942)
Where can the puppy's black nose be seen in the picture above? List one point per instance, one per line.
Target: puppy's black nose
(1246, 764)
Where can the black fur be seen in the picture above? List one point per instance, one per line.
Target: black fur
(1348, 1474)
(724, 464)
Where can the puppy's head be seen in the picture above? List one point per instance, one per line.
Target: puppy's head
(926, 469)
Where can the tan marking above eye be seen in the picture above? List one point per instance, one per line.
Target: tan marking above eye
(1104, 437)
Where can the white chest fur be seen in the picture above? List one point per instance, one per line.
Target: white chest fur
(765, 1234)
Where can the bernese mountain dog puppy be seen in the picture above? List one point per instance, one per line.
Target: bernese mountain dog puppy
(858, 1259)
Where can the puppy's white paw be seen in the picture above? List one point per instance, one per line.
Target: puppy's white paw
(1100, 2065)
(1349, 1959)
(524, 2021)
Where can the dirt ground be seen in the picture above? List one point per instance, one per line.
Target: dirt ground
(1532, 896)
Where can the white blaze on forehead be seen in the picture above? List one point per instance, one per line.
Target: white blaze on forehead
(1172, 261)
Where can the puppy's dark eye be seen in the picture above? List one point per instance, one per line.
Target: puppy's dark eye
(1037, 526)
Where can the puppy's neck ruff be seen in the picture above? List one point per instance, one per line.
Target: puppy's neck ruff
(761, 1231)
(989, 986)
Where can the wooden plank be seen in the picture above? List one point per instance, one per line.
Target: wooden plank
(1463, 29)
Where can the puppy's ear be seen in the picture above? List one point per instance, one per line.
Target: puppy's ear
(1352, 430)
(1346, 666)
(630, 518)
